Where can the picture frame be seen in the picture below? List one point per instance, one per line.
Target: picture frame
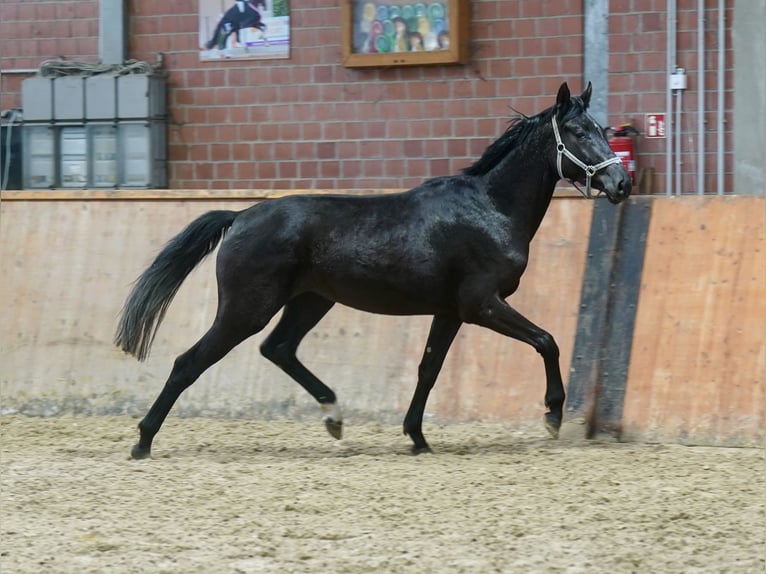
(243, 30)
(383, 33)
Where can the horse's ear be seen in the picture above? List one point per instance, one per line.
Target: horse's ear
(586, 95)
(563, 100)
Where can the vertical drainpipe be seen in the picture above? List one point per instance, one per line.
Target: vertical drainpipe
(721, 73)
(678, 95)
(113, 32)
(596, 56)
(700, 97)
(671, 66)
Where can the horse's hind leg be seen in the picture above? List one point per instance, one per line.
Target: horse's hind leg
(443, 331)
(300, 315)
(221, 338)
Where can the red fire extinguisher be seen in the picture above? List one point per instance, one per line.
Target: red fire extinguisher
(621, 140)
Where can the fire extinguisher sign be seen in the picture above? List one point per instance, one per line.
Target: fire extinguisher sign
(654, 125)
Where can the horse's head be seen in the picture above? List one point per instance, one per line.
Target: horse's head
(582, 153)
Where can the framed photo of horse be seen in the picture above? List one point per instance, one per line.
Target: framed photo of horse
(244, 29)
(404, 32)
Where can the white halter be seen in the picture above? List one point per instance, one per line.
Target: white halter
(590, 170)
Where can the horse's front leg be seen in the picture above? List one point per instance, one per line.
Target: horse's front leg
(494, 313)
(443, 331)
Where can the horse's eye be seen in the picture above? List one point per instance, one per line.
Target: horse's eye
(580, 135)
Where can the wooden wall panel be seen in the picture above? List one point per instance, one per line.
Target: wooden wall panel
(67, 268)
(698, 363)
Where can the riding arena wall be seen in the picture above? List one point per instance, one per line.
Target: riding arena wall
(657, 304)
(695, 346)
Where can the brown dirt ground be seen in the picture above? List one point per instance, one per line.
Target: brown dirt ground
(281, 496)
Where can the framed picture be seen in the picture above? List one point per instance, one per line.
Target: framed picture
(404, 32)
(244, 29)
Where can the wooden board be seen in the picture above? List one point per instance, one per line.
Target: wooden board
(67, 267)
(199, 194)
(698, 362)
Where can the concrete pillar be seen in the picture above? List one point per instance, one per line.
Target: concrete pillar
(749, 43)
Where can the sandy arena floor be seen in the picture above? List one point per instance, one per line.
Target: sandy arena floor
(254, 496)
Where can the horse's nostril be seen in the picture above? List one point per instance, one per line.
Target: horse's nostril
(625, 186)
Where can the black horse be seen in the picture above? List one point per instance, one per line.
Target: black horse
(454, 247)
(244, 14)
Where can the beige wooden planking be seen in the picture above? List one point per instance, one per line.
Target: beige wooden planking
(67, 267)
(201, 194)
(698, 363)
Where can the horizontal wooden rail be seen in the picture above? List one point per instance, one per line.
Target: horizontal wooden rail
(171, 194)
(191, 194)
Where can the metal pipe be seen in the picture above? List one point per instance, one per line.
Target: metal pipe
(19, 70)
(8, 140)
(720, 88)
(679, 94)
(113, 31)
(671, 66)
(596, 56)
(700, 97)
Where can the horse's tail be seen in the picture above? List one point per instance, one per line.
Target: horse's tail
(152, 293)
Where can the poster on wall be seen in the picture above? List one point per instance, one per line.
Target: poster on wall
(404, 33)
(244, 29)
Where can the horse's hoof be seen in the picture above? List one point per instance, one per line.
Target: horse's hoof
(138, 452)
(333, 419)
(552, 425)
(416, 450)
(335, 428)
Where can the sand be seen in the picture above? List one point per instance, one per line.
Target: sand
(246, 496)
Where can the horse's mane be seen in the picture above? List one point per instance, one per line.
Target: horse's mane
(519, 128)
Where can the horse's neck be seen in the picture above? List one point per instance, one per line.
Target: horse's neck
(522, 186)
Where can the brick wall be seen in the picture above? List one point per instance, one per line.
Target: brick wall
(308, 122)
(32, 32)
(637, 82)
(311, 123)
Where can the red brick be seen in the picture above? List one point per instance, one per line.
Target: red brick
(309, 169)
(329, 169)
(263, 151)
(286, 169)
(332, 131)
(245, 170)
(289, 131)
(441, 127)
(283, 151)
(238, 114)
(652, 22)
(523, 67)
(326, 150)
(199, 152)
(203, 170)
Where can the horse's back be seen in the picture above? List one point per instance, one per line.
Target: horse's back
(398, 253)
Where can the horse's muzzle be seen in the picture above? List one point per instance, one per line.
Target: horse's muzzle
(615, 182)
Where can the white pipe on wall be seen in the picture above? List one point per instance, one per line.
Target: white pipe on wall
(700, 96)
(671, 66)
(679, 94)
(720, 88)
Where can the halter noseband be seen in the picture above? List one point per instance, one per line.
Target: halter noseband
(590, 170)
